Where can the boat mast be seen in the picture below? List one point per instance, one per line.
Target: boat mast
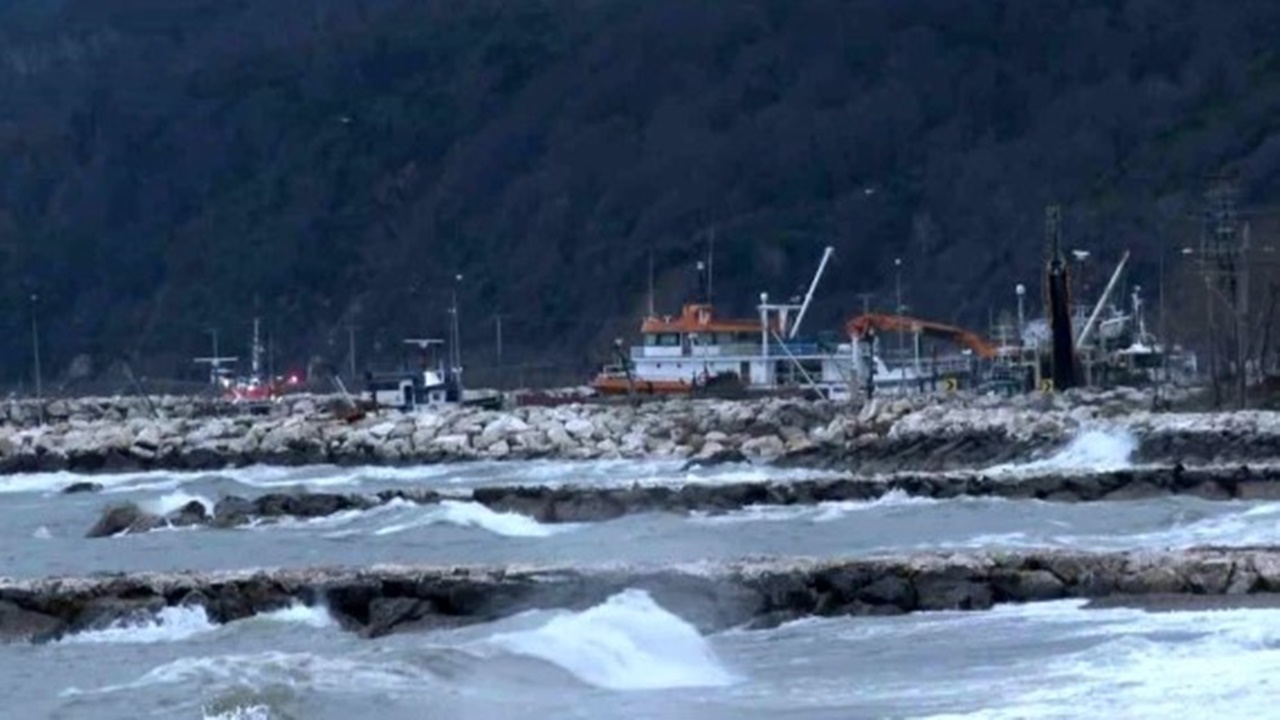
(256, 355)
(822, 266)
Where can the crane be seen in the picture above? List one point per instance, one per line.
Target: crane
(861, 325)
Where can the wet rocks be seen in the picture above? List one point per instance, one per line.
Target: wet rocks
(18, 624)
(385, 599)
(922, 434)
(126, 518)
(595, 503)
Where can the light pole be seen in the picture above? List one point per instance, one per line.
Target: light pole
(897, 285)
(1021, 290)
(35, 348)
(1081, 256)
(456, 332)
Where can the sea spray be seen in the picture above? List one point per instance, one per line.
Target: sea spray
(175, 624)
(1092, 450)
(471, 514)
(176, 500)
(171, 624)
(629, 642)
(823, 512)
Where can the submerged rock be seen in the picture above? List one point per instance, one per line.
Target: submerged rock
(126, 518)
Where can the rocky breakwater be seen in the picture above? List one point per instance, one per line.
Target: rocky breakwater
(918, 434)
(594, 503)
(384, 599)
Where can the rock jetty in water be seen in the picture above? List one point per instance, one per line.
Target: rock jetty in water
(384, 599)
(593, 503)
(920, 434)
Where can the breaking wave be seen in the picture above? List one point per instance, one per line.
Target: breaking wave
(172, 624)
(400, 516)
(828, 511)
(170, 502)
(629, 642)
(1140, 665)
(1098, 450)
(175, 624)
(472, 514)
(245, 712)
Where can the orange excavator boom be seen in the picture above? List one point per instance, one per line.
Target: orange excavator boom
(861, 325)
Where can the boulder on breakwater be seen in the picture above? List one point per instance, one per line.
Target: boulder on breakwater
(916, 434)
(384, 599)
(594, 503)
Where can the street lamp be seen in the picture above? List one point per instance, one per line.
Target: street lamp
(897, 284)
(35, 346)
(457, 332)
(1021, 290)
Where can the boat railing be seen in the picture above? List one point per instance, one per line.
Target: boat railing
(744, 350)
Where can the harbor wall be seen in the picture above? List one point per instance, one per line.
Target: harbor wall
(918, 434)
(384, 599)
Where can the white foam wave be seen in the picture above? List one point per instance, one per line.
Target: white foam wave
(1185, 664)
(1097, 450)
(315, 616)
(472, 514)
(398, 516)
(822, 512)
(170, 502)
(172, 624)
(316, 672)
(629, 642)
(244, 712)
(42, 533)
(175, 624)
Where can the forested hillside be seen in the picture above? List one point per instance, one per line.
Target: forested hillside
(170, 166)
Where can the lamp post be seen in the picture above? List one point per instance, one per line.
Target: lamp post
(897, 288)
(456, 340)
(35, 349)
(1021, 290)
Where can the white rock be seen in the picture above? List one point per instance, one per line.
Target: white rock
(452, 444)
(766, 447)
(382, 430)
(580, 428)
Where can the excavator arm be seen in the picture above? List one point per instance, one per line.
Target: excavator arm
(861, 325)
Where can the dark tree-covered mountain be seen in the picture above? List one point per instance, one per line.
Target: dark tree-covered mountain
(171, 166)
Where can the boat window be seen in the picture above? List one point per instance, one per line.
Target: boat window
(669, 339)
(650, 340)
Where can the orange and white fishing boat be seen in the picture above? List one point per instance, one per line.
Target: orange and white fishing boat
(698, 349)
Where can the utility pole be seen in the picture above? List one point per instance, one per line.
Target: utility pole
(1223, 246)
(35, 351)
